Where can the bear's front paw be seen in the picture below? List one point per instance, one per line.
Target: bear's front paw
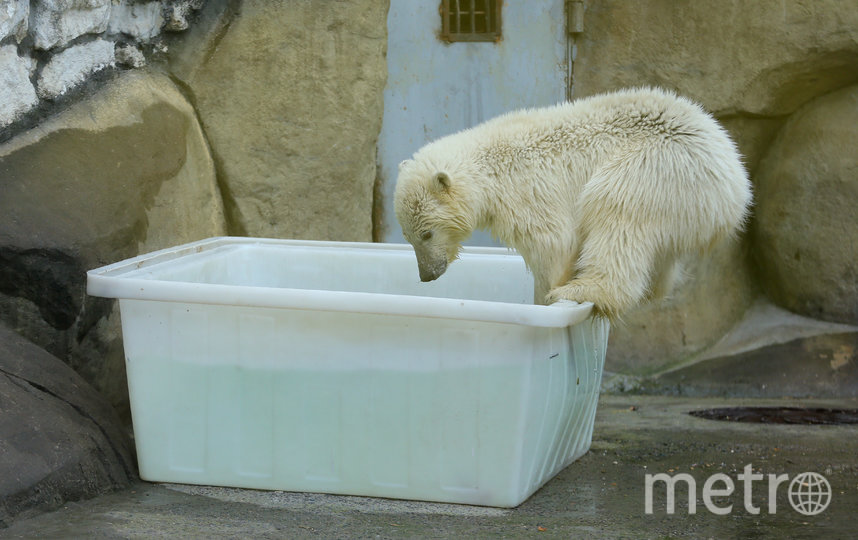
(602, 304)
(560, 293)
(565, 292)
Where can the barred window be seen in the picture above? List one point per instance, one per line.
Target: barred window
(471, 20)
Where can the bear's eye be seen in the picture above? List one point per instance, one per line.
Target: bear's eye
(426, 236)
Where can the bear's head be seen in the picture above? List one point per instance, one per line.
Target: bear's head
(433, 211)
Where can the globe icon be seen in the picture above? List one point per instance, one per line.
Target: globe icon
(809, 493)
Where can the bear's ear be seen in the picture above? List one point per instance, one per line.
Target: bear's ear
(404, 163)
(443, 180)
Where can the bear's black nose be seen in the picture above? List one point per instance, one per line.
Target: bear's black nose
(428, 276)
(431, 272)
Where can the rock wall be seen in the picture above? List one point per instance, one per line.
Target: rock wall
(291, 100)
(50, 47)
(806, 229)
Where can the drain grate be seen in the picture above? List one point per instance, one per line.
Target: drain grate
(780, 415)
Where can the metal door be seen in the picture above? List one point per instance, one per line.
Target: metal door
(435, 88)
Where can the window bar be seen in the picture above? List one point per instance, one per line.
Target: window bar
(490, 13)
(473, 15)
(455, 16)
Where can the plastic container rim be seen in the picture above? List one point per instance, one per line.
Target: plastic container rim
(116, 281)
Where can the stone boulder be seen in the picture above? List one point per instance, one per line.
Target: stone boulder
(73, 66)
(14, 15)
(59, 440)
(140, 20)
(806, 230)
(19, 95)
(290, 95)
(55, 23)
(124, 171)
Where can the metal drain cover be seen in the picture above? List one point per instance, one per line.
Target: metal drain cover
(780, 415)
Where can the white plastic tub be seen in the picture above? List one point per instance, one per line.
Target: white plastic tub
(328, 367)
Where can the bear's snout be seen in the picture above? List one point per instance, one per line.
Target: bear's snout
(432, 273)
(431, 269)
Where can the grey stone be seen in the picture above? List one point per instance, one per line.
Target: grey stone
(73, 66)
(177, 18)
(129, 55)
(18, 93)
(14, 15)
(771, 352)
(178, 12)
(806, 224)
(54, 23)
(59, 440)
(142, 21)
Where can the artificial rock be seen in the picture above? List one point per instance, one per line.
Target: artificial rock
(59, 440)
(291, 100)
(806, 228)
(765, 58)
(123, 172)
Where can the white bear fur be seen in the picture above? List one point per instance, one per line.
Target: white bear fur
(601, 196)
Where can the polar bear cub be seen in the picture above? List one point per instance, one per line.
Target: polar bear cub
(600, 196)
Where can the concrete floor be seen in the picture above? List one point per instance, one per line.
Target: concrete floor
(601, 495)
